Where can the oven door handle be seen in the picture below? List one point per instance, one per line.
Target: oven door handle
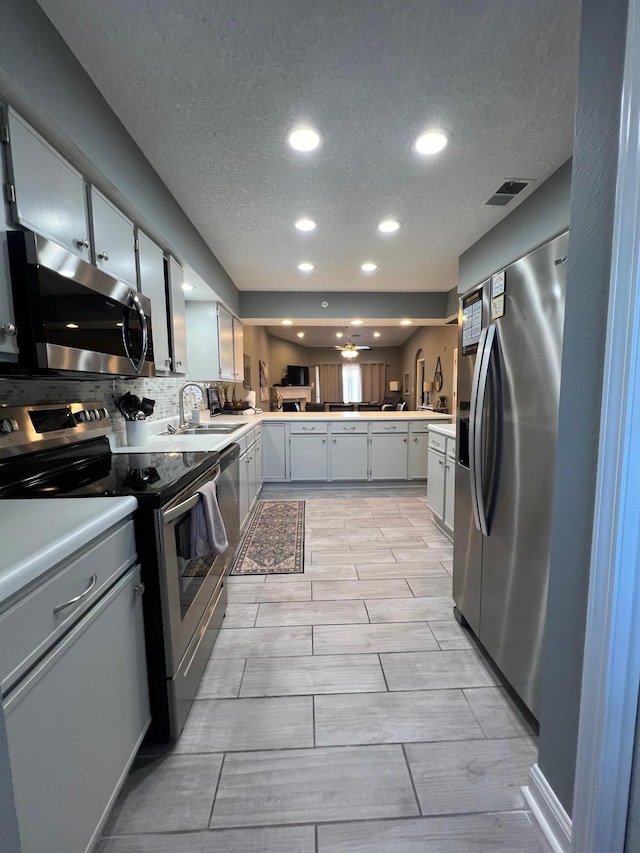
(169, 514)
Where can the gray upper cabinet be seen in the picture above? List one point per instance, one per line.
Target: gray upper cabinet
(8, 339)
(178, 319)
(113, 240)
(46, 193)
(152, 284)
(225, 345)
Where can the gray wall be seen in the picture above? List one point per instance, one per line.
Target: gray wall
(262, 305)
(592, 210)
(41, 78)
(541, 216)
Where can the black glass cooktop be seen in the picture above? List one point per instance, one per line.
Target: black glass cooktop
(90, 469)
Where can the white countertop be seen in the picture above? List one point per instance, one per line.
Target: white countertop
(444, 429)
(37, 534)
(185, 443)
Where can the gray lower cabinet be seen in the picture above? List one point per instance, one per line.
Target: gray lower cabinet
(388, 456)
(151, 282)
(436, 483)
(308, 457)
(47, 194)
(243, 488)
(113, 240)
(418, 456)
(449, 492)
(75, 723)
(349, 457)
(274, 455)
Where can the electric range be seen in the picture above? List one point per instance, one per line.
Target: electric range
(63, 451)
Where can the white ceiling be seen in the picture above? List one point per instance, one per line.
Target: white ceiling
(316, 335)
(209, 88)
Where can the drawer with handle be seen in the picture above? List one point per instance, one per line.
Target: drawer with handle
(308, 428)
(386, 427)
(345, 428)
(34, 623)
(437, 442)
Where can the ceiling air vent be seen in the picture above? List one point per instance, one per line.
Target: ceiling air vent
(507, 192)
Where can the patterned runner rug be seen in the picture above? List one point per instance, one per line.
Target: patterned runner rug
(274, 541)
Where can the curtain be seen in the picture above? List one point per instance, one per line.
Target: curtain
(330, 383)
(374, 382)
(351, 383)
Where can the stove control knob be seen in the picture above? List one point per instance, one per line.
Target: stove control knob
(81, 417)
(96, 415)
(14, 424)
(103, 413)
(91, 415)
(6, 425)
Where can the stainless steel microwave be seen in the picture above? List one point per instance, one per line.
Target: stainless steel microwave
(72, 318)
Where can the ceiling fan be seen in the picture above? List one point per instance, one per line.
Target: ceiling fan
(350, 350)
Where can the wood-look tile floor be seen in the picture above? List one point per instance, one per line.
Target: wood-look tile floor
(343, 710)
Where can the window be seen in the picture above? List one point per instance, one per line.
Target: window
(351, 383)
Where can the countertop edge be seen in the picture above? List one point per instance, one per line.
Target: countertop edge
(65, 535)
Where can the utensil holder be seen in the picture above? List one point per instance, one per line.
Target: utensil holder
(137, 432)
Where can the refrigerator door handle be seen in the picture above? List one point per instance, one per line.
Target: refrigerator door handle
(481, 381)
(473, 425)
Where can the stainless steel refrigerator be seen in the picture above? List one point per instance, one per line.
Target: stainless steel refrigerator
(510, 348)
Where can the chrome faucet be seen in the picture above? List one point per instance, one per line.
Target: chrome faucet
(182, 421)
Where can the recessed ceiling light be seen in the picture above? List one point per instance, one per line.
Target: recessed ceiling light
(406, 322)
(72, 326)
(305, 266)
(306, 224)
(187, 287)
(388, 226)
(369, 267)
(432, 141)
(304, 138)
(119, 325)
(287, 322)
(301, 334)
(357, 322)
(338, 334)
(376, 334)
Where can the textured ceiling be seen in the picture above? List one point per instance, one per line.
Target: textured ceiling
(209, 88)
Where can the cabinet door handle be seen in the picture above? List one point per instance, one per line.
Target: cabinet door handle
(8, 329)
(103, 256)
(308, 428)
(334, 440)
(404, 439)
(179, 363)
(348, 428)
(82, 244)
(390, 427)
(415, 439)
(324, 440)
(72, 601)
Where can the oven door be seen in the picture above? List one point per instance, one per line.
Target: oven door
(187, 581)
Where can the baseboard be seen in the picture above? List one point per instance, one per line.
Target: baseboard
(548, 811)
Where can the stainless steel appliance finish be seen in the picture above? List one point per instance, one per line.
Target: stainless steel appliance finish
(193, 591)
(73, 318)
(508, 393)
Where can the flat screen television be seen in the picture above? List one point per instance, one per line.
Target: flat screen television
(297, 375)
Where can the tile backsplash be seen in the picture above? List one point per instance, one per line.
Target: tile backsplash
(22, 392)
